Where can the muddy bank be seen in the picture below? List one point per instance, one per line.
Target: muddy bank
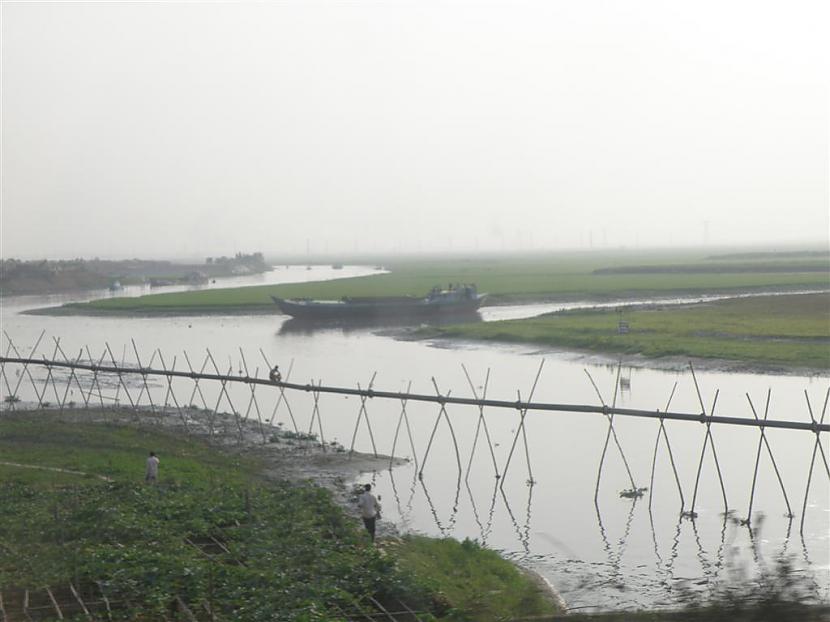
(635, 361)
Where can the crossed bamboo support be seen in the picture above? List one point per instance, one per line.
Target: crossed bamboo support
(817, 446)
(104, 381)
(665, 435)
(403, 418)
(362, 413)
(481, 423)
(609, 415)
(708, 439)
(521, 430)
(762, 440)
(442, 413)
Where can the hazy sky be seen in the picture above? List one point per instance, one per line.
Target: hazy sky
(196, 128)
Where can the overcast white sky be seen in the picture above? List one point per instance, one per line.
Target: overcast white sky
(191, 128)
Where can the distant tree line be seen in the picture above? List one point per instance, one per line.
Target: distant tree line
(249, 259)
(15, 268)
(43, 275)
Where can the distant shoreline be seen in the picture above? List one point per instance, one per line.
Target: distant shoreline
(92, 310)
(77, 276)
(84, 310)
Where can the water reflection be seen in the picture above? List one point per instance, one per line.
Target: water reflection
(445, 530)
(522, 531)
(623, 576)
(615, 554)
(526, 530)
(406, 513)
(484, 529)
(811, 573)
(666, 568)
(711, 569)
(721, 548)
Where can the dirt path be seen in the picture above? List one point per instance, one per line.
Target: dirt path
(54, 469)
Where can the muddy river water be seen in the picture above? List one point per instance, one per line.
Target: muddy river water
(600, 550)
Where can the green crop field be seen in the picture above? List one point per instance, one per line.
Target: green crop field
(784, 330)
(509, 279)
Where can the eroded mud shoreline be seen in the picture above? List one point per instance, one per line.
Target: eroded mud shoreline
(636, 361)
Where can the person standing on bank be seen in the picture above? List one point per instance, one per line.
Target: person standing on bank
(369, 509)
(152, 472)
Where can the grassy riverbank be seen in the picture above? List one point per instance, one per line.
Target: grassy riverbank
(510, 279)
(786, 330)
(215, 533)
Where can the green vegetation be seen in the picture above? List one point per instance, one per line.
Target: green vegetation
(786, 330)
(512, 278)
(212, 532)
(477, 580)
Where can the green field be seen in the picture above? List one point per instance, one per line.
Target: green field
(510, 279)
(785, 330)
(290, 553)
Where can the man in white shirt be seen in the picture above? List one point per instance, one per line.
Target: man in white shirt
(152, 472)
(369, 509)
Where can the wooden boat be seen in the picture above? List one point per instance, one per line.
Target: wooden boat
(456, 300)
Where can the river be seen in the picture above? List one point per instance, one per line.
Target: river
(615, 553)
